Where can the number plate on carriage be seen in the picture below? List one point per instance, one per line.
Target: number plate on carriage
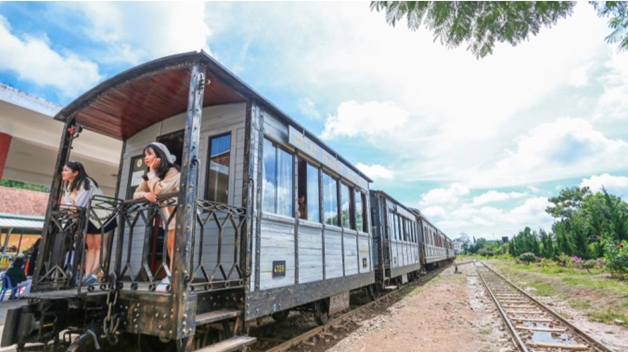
(339, 302)
(279, 268)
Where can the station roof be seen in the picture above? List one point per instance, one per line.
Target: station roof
(19, 222)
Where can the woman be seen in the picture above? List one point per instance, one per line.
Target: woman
(160, 177)
(79, 189)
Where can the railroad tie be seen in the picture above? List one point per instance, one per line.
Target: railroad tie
(563, 346)
(535, 328)
(533, 320)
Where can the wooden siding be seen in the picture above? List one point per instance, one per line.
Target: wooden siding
(310, 252)
(277, 244)
(333, 252)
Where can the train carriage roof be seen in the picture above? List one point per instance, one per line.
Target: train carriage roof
(141, 96)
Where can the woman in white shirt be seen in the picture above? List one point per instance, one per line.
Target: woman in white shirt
(79, 189)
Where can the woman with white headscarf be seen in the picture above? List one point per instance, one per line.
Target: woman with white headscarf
(161, 176)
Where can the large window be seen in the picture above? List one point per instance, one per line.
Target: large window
(217, 189)
(330, 200)
(277, 188)
(359, 211)
(345, 206)
(308, 198)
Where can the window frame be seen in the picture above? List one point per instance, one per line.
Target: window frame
(208, 167)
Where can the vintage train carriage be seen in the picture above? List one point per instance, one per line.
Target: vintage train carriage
(396, 249)
(267, 218)
(434, 244)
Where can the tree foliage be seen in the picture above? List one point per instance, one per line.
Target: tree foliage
(481, 24)
(587, 226)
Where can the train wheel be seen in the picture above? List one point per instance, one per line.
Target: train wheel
(282, 316)
(321, 311)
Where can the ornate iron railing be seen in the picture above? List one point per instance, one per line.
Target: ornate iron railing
(141, 247)
(64, 257)
(223, 223)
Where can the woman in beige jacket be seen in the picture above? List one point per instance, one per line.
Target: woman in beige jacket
(162, 176)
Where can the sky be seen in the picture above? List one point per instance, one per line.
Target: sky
(478, 145)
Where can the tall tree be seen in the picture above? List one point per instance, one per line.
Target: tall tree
(483, 23)
(567, 204)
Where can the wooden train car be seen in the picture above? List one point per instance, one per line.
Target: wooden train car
(436, 247)
(396, 249)
(267, 218)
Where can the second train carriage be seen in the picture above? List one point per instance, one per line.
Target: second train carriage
(268, 219)
(396, 241)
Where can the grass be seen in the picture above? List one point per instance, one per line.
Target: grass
(580, 304)
(542, 288)
(608, 317)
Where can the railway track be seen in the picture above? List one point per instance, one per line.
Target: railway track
(534, 326)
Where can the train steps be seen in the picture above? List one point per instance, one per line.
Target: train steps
(232, 344)
(216, 316)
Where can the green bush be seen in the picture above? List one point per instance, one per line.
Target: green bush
(616, 256)
(527, 257)
(563, 259)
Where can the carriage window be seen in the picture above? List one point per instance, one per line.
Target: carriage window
(395, 226)
(330, 200)
(308, 198)
(345, 208)
(277, 188)
(217, 189)
(359, 211)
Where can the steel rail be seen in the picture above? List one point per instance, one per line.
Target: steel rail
(589, 339)
(512, 329)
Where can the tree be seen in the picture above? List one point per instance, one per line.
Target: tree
(547, 245)
(482, 24)
(567, 204)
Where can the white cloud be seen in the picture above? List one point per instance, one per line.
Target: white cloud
(564, 148)
(375, 172)
(308, 108)
(369, 118)
(617, 185)
(136, 32)
(579, 77)
(449, 196)
(33, 59)
(495, 196)
(433, 212)
(612, 104)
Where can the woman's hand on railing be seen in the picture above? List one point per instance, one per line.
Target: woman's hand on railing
(151, 197)
(160, 197)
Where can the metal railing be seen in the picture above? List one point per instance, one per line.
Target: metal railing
(134, 255)
(64, 256)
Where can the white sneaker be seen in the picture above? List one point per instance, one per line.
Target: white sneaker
(165, 281)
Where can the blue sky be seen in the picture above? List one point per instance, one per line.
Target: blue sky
(477, 145)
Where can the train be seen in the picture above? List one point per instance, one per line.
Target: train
(268, 219)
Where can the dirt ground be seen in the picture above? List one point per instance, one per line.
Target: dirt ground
(452, 313)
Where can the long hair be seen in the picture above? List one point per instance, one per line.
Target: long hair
(164, 165)
(81, 179)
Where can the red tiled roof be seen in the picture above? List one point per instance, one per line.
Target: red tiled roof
(23, 202)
